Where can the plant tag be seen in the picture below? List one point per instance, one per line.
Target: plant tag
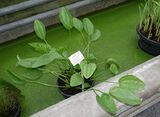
(76, 58)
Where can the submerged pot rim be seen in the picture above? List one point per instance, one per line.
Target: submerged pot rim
(65, 95)
(18, 111)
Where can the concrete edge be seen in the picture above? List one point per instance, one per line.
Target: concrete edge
(21, 6)
(85, 105)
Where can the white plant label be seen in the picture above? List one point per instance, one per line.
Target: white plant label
(76, 58)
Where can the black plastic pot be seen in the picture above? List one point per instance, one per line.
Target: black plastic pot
(16, 112)
(68, 92)
(150, 46)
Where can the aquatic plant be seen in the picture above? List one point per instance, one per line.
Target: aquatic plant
(150, 19)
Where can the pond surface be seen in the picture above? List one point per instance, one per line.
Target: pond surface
(118, 40)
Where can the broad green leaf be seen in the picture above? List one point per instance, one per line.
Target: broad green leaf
(132, 83)
(40, 47)
(66, 18)
(114, 69)
(107, 103)
(78, 24)
(32, 74)
(125, 95)
(16, 79)
(95, 35)
(87, 69)
(46, 59)
(75, 80)
(88, 26)
(27, 63)
(39, 61)
(40, 29)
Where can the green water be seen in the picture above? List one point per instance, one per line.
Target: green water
(118, 40)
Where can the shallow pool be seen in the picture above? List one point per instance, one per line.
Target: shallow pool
(118, 40)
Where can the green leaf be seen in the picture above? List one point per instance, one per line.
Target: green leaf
(66, 18)
(114, 69)
(39, 61)
(16, 79)
(32, 74)
(132, 83)
(27, 63)
(107, 103)
(40, 47)
(78, 24)
(125, 96)
(40, 29)
(112, 61)
(88, 26)
(87, 69)
(46, 59)
(95, 35)
(75, 80)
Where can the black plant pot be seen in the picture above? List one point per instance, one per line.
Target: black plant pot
(150, 46)
(68, 92)
(16, 112)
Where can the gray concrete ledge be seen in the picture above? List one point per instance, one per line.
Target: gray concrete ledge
(21, 6)
(85, 105)
(22, 27)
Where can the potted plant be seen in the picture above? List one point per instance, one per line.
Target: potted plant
(149, 27)
(72, 79)
(9, 100)
(75, 72)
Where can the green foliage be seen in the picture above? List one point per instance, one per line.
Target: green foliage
(88, 26)
(150, 19)
(40, 29)
(32, 74)
(39, 61)
(78, 24)
(114, 69)
(16, 79)
(41, 47)
(107, 103)
(113, 66)
(87, 69)
(66, 18)
(95, 35)
(75, 80)
(132, 83)
(125, 95)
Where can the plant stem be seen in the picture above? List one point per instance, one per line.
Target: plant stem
(58, 75)
(83, 38)
(46, 42)
(82, 83)
(44, 84)
(94, 90)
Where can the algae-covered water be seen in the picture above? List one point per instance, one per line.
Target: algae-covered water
(118, 40)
